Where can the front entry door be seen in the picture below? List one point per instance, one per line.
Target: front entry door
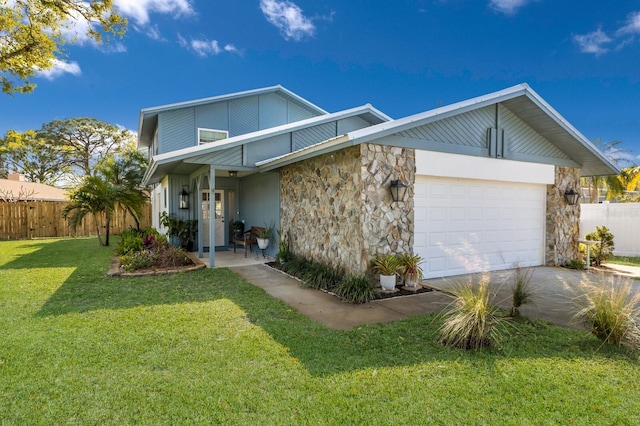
(219, 219)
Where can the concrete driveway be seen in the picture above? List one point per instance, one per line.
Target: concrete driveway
(553, 299)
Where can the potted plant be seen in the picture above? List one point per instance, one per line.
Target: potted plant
(183, 230)
(264, 235)
(411, 270)
(387, 265)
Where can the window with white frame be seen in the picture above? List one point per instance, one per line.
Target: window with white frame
(211, 135)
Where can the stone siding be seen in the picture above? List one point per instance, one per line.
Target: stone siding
(337, 209)
(563, 220)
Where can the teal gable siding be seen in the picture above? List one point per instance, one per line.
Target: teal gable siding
(268, 148)
(176, 130)
(273, 111)
(213, 116)
(244, 116)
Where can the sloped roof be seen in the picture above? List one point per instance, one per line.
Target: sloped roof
(148, 116)
(162, 163)
(520, 99)
(30, 191)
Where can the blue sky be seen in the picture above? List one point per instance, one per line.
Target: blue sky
(402, 56)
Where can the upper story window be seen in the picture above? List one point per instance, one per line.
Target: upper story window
(211, 135)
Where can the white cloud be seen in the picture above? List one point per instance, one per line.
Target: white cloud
(205, 47)
(594, 42)
(59, 68)
(288, 18)
(153, 32)
(632, 26)
(508, 7)
(139, 10)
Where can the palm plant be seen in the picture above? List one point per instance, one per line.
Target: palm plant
(612, 185)
(93, 196)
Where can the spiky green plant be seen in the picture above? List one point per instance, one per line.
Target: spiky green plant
(610, 307)
(470, 321)
(356, 289)
(522, 289)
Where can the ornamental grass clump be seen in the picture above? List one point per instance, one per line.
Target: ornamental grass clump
(610, 308)
(470, 323)
(522, 289)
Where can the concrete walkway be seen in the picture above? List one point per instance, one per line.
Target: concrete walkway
(553, 299)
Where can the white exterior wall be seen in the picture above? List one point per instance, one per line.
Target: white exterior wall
(431, 163)
(622, 219)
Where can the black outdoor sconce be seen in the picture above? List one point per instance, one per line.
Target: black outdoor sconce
(184, 198)
(398, 190)
(571, 196)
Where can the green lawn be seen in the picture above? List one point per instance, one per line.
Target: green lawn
(208, 348)
(624, 260)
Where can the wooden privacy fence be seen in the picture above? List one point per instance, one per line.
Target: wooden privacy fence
(24, 220)
(622, 219)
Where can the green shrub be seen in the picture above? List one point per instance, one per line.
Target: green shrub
(140, 260)
(601, 252)
(521, 289)
(470, 322)
(576, 264)
(610, 308)
(356, 289)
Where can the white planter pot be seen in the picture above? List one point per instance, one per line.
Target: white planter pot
(263, 243)
(388, 282)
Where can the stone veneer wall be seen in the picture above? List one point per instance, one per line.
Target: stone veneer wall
(388, 226)
(337, 207)
(321, 208)
(563, 220)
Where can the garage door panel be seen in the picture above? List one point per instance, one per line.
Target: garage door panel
(464, 225)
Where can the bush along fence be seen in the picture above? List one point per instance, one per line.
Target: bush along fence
(25, 220)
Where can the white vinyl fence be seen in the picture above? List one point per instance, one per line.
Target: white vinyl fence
(622, 219)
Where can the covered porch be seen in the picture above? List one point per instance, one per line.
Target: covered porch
(226, 258)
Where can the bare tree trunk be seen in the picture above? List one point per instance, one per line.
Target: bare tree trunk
(107, 223)
(95, 220)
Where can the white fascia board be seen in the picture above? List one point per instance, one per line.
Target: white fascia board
(440, 164)
(151, 168)
(231, 96)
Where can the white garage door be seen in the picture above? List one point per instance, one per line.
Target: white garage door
(467, 225)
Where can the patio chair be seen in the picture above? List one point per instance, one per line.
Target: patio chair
(247, 239)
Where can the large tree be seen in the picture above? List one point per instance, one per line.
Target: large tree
(31, 155)
(88, 140)
(33, 33)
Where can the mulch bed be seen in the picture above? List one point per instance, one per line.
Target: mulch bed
(380, 294)
(115, 271)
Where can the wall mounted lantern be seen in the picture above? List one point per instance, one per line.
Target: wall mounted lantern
(571, 196)
(233, 173)
(398, 190)
(184, 198)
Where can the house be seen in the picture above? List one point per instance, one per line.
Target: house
(16, 188)
(486, 178)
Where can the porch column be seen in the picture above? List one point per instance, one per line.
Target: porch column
(212, 217)
(198, 208)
